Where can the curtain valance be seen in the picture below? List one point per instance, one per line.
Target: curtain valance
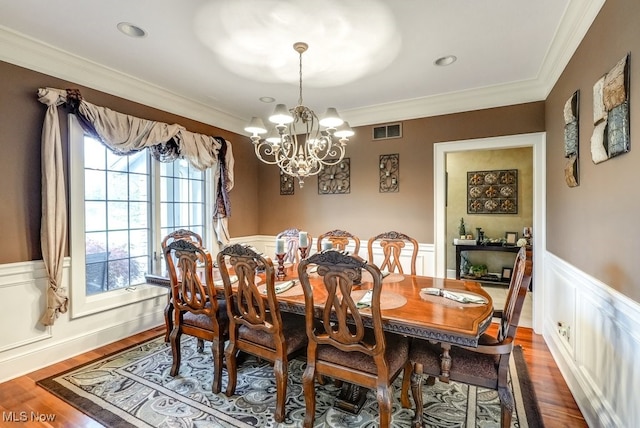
(123, 134)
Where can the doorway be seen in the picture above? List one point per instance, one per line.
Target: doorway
(537, 142)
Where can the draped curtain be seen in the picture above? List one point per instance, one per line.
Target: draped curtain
(122, 134)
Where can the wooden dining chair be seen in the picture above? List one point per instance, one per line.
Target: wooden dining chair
(291, 239)
(168, 310)
(344, 343)
(339, 239)
(197, 311)
(256, 325)
(392, 244)
(487, 365)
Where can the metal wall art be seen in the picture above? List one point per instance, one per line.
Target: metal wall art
(389, 173)
(611, 113)
(335, 179)
(492, 192)
(286, 184)
(571, 140)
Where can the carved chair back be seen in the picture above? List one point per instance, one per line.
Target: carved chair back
(340, 239)
(392, 244)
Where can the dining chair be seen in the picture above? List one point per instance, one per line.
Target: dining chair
(339, 239)
(197, 311)
(256, 325)
(392, 244)
(291, 238)
(345, 343)
(485, 366)
(168, 311)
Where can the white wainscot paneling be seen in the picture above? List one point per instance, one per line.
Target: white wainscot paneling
(21, 286)
(598, 358)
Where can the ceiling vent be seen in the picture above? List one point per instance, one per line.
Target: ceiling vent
(385, 132)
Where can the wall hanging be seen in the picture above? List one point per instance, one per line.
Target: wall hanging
(492, 192)
(286, 184)
(335, 179)
(389, 173)
(571, 140)
(611, 113)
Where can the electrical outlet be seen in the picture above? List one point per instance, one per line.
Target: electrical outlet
(564, 331)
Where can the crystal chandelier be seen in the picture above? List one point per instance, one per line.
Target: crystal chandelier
(297, 145)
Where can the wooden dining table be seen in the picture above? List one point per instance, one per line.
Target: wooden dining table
(405, 308)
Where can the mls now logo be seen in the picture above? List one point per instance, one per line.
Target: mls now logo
(27, 417)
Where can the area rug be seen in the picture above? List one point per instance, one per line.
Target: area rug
(133, 388)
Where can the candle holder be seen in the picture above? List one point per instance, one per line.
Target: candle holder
(280, 274)
(304, 251)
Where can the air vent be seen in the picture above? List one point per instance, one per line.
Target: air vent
(384, 132)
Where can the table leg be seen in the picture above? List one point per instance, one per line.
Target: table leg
(445, 362)
(351, 398)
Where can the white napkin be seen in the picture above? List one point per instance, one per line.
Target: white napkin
(385, 273)
(314, 269)
(282, 287)
(365, 301)
(452, 295)
(219, 283)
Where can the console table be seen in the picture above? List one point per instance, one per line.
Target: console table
(461, 248)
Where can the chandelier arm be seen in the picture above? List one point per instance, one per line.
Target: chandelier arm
(268, 151)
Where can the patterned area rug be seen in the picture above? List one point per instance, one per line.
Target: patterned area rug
(133, 388)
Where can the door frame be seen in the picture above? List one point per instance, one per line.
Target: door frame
(538, 143)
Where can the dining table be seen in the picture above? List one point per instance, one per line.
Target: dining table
(415, 306)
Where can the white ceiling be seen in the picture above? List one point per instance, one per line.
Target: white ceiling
(212, 60)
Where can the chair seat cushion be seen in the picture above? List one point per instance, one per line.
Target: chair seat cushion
(204, 321)
(396, 353)
(293, 329)
(466, 365)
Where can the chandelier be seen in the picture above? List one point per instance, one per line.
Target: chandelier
(298, 145)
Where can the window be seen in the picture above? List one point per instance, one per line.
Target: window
(121, 208)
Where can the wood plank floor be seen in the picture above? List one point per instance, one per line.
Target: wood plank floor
(21, 394)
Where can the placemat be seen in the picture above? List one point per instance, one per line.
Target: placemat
(448, 302)
(388, 299)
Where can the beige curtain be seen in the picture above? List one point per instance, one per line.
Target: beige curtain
(220, 217)
(53, 231)
(124, 134)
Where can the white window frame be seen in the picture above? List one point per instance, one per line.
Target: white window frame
(81, 303)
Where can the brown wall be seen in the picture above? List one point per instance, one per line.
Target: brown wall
(595, 226)
(366, 212)
(21, 117)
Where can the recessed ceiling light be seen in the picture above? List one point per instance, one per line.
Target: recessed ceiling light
(131, 30)
(445, 60)
(267, 99)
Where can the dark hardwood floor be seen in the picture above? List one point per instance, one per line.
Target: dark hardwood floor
(21, 394)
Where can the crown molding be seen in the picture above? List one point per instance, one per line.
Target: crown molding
(26, 52)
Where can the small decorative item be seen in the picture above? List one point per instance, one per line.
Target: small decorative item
(492, 192)
(461, 229)
(280, 273)
(478, 270)
(611, 113)
(510, 238)
(303, 244)
(335, 179)
(571, 140)
(286, 184)
(506, 274)
(389, 173)
(522, 242)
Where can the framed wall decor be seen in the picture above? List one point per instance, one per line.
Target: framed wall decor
(611, 113)
(492, 192)
(335, 179)
(389, 173)
(510, 238)
(286, 184)
(571, 140)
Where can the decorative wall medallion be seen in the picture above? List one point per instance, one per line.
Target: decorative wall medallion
(286, 184)
(492, 192)
(389, 173)
(335, 179)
